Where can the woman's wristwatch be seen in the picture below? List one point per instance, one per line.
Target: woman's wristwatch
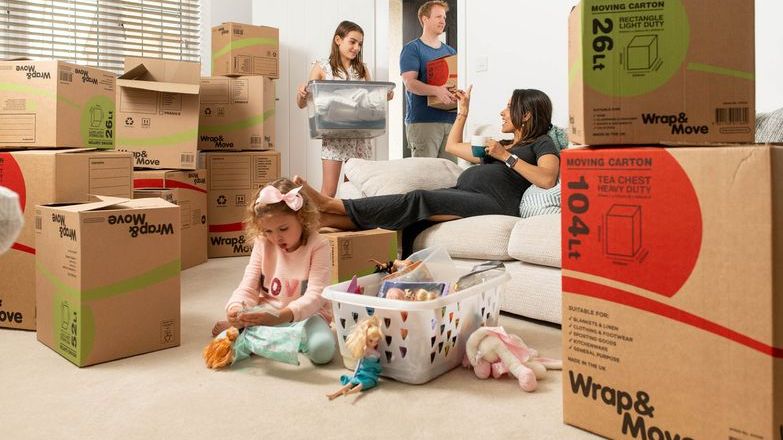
(512, 160)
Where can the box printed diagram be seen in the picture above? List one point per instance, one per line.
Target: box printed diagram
(623, 226)
(642, 53)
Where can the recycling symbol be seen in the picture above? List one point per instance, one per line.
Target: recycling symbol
(207, 111)
(203, 219)
(221, 200)
(129, 121)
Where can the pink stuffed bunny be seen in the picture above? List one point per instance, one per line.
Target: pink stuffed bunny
(490, 350)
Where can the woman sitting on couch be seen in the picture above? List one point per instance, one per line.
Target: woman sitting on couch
(493, 187)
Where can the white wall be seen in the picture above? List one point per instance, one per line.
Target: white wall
(525, 45)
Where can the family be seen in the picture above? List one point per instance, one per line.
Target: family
(278, 303)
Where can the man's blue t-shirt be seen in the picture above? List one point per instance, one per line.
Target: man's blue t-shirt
(414, 58)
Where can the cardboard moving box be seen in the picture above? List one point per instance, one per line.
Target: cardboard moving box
(672, 301)
(232, 180)
(442, 71)
(157, 110)
(657, 72)
(188, 190)
(55, 104)
(107, 282)
(237, 113)
(243, 49)
(49, 176)
(353, 252)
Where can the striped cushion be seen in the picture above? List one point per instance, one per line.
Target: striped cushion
(538, 201)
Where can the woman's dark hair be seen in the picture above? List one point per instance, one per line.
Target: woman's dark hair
(343, 29)
(538, 104)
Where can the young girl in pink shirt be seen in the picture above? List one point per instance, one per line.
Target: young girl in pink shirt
(279, 303)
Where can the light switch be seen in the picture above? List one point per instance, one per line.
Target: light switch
(482, 64)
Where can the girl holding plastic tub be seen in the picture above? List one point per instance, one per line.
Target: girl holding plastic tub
(344, 63)
(278, 303)
(494, 186)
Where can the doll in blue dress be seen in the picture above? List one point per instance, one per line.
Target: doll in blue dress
(362, 343)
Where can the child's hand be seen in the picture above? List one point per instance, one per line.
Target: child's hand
(232, 316)
(260, 317)
(302, 92)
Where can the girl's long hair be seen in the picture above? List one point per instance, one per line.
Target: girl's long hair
(342, 31)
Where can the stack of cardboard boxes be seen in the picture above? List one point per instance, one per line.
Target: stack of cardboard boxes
(236, 130)
(56, 121)
(157, 121)
(671, 254)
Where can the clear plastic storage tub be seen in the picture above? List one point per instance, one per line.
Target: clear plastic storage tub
(347, 109)
(422, 339)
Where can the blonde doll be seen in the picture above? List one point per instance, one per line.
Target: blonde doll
(278, 304)
(362, 344)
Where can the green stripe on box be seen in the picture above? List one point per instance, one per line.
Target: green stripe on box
(238, 125)
(30, 90)
(717, 70)
(241, 44)
(154, 276)
(166, 141)
(149, 278)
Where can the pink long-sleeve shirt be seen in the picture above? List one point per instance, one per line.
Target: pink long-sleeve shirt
(287, 279)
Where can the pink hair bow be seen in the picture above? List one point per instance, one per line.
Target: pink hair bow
(270, 195)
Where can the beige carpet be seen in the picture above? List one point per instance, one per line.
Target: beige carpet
(171, 395)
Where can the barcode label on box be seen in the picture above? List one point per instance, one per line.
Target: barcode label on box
(38, 223)
(66, 76)
(731, 115)
(255, 140)
(187, 158)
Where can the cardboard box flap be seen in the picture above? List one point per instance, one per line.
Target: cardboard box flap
(143, 77)
(103, 202)
(166, 71)
(188, 89)
(149, 202)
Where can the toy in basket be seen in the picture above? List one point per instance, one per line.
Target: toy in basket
(422, 339)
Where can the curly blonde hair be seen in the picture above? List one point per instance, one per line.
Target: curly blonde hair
(307, 215)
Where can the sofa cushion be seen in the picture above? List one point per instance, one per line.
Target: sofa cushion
(536, 240)
(769, 126)
(483, 237)
(401, 175)
(539, 201)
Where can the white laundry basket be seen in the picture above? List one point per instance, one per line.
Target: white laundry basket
(422, 339)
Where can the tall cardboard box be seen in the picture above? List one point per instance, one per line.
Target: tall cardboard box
(442, 71)
(672, 301)
(657, 72)
(55, 104)
(157, 110)
(232, 180)
(49, 176)
(353, 252)
(237, 113)
(107, 282)
(188, 190)
(243, 49)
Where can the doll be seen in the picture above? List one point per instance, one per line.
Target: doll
(362, 344)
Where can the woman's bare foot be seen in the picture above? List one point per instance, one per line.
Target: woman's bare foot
(322, 202)
(219, 327)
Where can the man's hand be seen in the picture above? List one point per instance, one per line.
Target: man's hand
(444, 95)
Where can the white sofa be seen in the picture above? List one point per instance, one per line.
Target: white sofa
(529, 247)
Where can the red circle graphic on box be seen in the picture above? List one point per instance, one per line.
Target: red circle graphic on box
(630, 215)
(437, 72)
(11, 177)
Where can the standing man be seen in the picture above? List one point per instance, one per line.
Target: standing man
(425, 127)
